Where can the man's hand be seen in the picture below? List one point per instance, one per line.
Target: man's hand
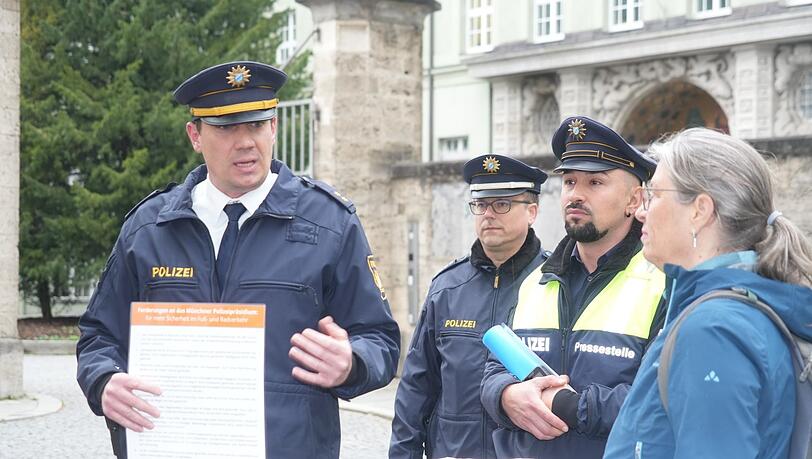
(524, 405)
(121, 405)
(325, 355)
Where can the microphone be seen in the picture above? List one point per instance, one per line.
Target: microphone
(517, 358)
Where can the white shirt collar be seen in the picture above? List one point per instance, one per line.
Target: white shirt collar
(208, 203)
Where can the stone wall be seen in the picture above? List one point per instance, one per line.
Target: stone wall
(10, 347)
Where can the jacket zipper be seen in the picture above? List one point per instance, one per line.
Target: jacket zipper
(493, 313)
(286, 285)
(564, 323)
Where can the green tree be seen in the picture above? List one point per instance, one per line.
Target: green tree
(99, 128)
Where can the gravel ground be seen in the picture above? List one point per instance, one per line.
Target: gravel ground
(74, 432)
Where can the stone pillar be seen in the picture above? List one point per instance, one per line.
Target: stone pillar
(367, 79)
(575, 93)
(506, 121)
(753, 92)
(11, 351)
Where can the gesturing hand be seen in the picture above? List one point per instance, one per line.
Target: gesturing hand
(122, 406)
(324, 356)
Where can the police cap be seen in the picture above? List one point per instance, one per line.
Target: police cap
(232, 93)
(497, 176)
(583, 144)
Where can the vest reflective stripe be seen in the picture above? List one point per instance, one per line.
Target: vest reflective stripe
(625, 306)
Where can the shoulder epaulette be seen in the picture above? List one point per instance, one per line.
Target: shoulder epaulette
(150, 196)
(454, 263)
(330, 191)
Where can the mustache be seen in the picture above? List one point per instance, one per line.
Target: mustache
(579, 206)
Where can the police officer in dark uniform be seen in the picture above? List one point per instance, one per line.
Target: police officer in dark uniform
(437, 409)
(240, 222)
(589, 312)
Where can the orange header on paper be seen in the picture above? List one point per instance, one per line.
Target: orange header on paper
(198, 314)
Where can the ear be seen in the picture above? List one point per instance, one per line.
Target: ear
(194, 136)
(635, 200)
(532, 213)
(703, 211)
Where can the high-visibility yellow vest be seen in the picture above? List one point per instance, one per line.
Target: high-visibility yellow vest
(626, 305)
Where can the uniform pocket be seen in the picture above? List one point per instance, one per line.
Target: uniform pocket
(174, 290)
(301, 421)
(452, 437)
(289, 309)
(463, 364)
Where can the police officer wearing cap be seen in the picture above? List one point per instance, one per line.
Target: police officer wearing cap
(437, 408)
(589, 312)
(230, 234)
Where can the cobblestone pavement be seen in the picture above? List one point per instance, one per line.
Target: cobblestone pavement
(74, 432)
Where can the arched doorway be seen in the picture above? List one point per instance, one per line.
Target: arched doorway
(671, 107)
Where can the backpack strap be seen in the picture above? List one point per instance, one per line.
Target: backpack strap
(801, 352)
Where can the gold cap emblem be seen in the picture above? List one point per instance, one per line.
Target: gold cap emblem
(491, 165)
(238, 76)
(577, 129)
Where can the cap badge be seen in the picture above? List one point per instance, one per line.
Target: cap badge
(491, 165)
(238, 76)
(577, 129)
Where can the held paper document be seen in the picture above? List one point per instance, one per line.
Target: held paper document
(208, 360)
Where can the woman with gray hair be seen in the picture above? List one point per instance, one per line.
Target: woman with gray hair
(709, 224)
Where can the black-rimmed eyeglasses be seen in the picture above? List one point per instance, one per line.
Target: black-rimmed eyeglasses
(499, 206)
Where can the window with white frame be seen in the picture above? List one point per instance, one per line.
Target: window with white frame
(805, 96)
(453, 147)
(625, 15)
(286, 49)
(548, 20)
(478, 25)
(710, 8)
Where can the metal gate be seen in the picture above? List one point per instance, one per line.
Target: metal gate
(294, 136)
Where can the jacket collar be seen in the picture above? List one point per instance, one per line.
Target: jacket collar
(281, 201)
(513, 265)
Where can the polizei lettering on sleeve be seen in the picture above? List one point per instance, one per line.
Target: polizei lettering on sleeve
(459, 323)
(624, 351)
(537, 343)
(175, 272)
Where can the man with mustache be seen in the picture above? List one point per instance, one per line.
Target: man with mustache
(437, 409)
(589, 312)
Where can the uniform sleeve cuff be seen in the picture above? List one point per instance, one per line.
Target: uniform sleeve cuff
(357, 372)
(565, 406)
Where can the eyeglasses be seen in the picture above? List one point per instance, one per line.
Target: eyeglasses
(499, 206)
(648, 194)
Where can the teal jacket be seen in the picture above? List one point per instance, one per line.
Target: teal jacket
(731, 389)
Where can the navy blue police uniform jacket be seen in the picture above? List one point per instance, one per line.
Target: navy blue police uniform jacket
(437, 408)
(601, 380)
(303, 254)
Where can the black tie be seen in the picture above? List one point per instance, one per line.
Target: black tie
(229, 242)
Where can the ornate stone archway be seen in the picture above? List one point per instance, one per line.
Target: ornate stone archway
(671, 107)
(618, 89)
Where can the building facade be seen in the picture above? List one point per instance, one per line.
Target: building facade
(499, 76)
